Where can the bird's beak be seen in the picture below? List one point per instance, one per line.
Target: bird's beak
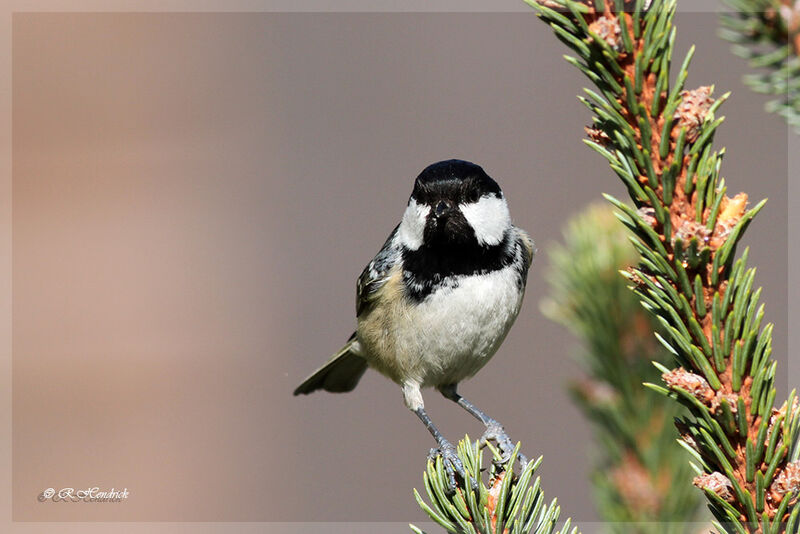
(442, 209)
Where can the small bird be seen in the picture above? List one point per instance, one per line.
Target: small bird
(438, 299)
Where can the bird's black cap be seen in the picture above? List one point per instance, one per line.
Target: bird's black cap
(457, 178)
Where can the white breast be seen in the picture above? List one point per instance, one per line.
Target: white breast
(458, 328)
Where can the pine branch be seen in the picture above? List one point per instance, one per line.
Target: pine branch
(767, 34)
(658, 139)
(640, 474)
(511, 503)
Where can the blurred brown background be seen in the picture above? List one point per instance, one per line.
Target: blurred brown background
(193, 198)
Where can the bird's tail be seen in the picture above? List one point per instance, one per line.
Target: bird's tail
(340, 374)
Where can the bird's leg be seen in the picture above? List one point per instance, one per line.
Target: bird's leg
(494, 430)
(445, 449)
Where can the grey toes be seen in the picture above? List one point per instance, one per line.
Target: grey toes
(452, 464)
(497, 434)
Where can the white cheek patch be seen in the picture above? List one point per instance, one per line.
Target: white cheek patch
(413, 225)
(489, 218)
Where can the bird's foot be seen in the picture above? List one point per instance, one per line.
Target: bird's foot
(497, 434)
(452, 465)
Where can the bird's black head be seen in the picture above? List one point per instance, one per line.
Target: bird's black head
(455, 181)
(456, 223)
(454, 204)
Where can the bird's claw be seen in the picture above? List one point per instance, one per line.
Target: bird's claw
(497, 434)
(452, 465)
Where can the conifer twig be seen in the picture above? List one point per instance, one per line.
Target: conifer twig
(511, 503)
(658, 139)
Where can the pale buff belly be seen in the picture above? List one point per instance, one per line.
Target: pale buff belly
(446, 338)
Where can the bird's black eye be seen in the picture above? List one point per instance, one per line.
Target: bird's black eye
(441, 207)
(471, 195)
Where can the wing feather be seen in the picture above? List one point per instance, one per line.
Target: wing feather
(376, 273)
(529, 248)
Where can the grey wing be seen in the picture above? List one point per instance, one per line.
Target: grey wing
(376, 273)
(528, 247)
(526, 251)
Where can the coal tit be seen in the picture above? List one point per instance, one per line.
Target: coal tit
(438, 299)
